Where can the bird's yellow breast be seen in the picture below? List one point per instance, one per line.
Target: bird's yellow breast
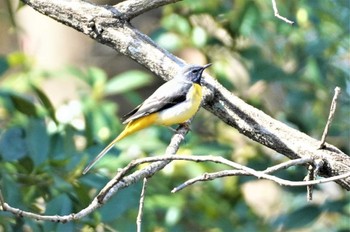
(183, 111)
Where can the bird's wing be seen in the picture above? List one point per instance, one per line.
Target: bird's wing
(166, 96)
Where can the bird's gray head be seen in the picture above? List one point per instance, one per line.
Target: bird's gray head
(193, 72)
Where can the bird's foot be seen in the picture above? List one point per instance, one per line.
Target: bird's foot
(172, 129)
(185, 125)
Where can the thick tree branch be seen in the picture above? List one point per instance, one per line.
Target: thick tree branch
(109, 27)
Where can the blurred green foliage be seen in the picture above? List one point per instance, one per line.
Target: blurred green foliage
(287, 71)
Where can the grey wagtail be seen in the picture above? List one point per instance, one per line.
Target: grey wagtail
(174, 102)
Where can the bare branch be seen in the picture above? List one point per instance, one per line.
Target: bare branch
(282, 182)
(141, 204)
(310, 176)
(288, 164)
(337, 91)
(277, 14)
(245, 170)
(226, 173)
(158, 163)
(22, 213)
(132, 8)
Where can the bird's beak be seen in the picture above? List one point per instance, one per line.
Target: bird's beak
(206, 66)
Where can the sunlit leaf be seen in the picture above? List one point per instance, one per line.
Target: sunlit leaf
(199, 36)
(96, 76)
(18, 59)
(127, 81)
(169, 41)
(177, 23)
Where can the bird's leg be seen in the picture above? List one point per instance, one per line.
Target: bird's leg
(186, 125)
(172, 129)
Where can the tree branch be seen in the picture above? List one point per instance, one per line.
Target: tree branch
(110, 28)
(277, 14)
(132, 8)
(244, 170)
(141, 205)
(330, 116)
(121, 181)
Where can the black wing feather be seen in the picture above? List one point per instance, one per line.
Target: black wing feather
(126, 116)
(160, 100)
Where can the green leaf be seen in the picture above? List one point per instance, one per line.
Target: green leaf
(199, 36)
(212, 148)
(126, 200)
(60, 205)
(10, 189)
(175, 22)
(93, 181)
(249, 20)
(23, 105)
(12, 144)
(37, 140)
(96, 76)
(169, 41)
(299, 218)
(4, 65)
(17, 59)
(46, 102)
(127, 81)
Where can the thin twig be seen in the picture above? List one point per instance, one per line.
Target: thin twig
(277, 14)
(244, 170)
(160, 162)
(282, 182)
(310, 176)
(227, 173)
(288, 164)
(337, 91)
(142, 202)
(2, 201)
(313, 172)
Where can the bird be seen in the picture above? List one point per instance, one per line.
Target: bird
(174, 102)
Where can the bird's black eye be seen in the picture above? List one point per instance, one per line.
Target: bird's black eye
(194, 71)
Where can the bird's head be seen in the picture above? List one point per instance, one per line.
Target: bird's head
(193, 72)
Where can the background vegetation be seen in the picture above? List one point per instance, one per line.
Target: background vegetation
(289, 72)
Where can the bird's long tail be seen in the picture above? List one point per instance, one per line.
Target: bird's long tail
(132, 127)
